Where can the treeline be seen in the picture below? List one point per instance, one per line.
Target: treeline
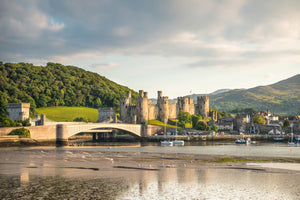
(244, 110)
(57, 85)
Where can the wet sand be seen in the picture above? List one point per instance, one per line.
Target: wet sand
(81, 173)
(91, 160)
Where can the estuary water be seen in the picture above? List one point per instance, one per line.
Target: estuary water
(206, 148)
(90, 172)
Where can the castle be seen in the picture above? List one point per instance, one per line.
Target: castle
(144, 110)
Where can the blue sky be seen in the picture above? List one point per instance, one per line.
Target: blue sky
(179, 47)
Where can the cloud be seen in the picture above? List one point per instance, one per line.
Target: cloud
(269, 75)
(209, 33)
(103, 66)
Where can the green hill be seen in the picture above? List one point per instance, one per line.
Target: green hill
(68, 114)
(57, 85)
(281, 98)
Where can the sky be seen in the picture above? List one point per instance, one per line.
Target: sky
(178, 46)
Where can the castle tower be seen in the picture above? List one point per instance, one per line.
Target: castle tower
(185, 104)
(125, 104)
(18, 111)
(163, 107)
(202, 107)
(142, 106)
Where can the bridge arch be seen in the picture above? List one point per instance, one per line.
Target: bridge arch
(133, 129)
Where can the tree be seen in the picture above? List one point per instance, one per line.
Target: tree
(81, 119)
(201, 125)
(184, 117)
(259, 119)
(286, 123)
(98, 103)
(195, 119)
(214, 127)
(21, 131)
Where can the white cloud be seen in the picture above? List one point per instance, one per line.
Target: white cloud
(270, 75)
(103, 66)
(235, 33)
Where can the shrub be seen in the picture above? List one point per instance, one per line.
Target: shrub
(259, 120)
(201, 125)
(21, 132)
(80, 119)
(286, 123)
(214, 128)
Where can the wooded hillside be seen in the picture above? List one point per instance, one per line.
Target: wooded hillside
(57, 85)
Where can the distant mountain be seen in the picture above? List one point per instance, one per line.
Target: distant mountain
(219, 91)
(281, 98)
(213, 93)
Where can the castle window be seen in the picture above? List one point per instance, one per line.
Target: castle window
(125, 106)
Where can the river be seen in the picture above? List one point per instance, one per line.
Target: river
(92, 171)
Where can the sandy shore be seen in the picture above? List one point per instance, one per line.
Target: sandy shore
(105, 159)
(154, 161)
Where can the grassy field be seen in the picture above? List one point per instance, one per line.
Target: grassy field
(68, 114)
(159, 123)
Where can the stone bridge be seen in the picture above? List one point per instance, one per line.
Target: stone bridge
(133, 129)
(62, 131)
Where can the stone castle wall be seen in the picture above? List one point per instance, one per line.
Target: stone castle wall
(172, 111)
(144, 110)
(18, 111)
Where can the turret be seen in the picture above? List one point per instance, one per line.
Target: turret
(142, 107)
(203, 106)
(159, 95)
(125, 104)
(141, 93)
(163, 109)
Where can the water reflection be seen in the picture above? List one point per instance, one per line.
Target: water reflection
(213, 184)
(89, 173)
(169, 183)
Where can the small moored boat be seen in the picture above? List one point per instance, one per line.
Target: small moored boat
(278, 139)
(166, 143)
(240, 141)
(178, 142)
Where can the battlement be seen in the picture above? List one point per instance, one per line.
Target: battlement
(202, 98)
(146, 95)
(141, 93)
(165, 100)
(185, 100)
(159, 95)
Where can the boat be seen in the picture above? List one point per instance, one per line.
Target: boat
(293, 142)
(278, 139)
(166, 142)
(248, 141)
(177, 142)
(240, 141)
